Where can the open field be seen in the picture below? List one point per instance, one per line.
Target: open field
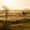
(16, 20)
(15, 14)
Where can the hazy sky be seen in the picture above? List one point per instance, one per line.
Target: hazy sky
(15, 4)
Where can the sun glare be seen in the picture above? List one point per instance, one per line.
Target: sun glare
(6, 2)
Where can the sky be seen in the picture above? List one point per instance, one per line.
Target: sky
(15, 4)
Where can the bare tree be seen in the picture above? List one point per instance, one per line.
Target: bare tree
(6, 11)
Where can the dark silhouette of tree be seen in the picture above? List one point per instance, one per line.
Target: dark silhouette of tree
(23, 13)
(6, 11)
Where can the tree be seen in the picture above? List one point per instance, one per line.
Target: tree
(6, 11)
(23, 13)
